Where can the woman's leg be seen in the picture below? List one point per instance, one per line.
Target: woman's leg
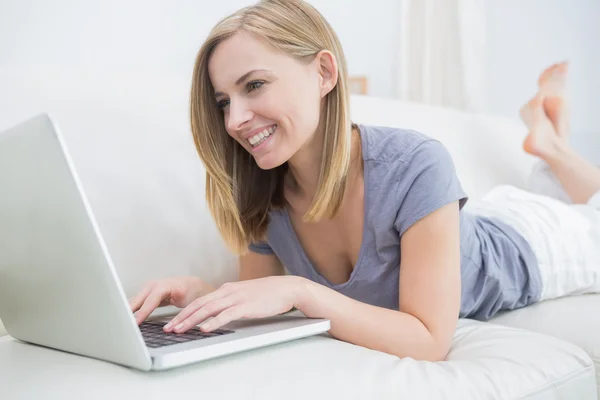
(579, 177)
(564, 237)
(547, 117)
(542, 181)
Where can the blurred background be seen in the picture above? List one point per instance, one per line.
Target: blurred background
(478, 55)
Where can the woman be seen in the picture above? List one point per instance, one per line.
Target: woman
(369, 221)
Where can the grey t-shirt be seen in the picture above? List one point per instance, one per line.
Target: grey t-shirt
(408, 175)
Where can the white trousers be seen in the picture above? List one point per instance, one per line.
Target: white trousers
(565, 237)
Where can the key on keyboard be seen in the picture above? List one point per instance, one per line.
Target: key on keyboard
(154, 336)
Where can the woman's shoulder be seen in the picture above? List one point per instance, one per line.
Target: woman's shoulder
(391, 144)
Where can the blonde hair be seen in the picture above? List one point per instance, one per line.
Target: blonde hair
(239, 193)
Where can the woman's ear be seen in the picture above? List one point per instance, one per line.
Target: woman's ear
(328, 71)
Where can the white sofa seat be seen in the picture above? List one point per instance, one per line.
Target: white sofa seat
(574, 319)
(487, 361)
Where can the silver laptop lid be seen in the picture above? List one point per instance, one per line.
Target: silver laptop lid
(58, 286)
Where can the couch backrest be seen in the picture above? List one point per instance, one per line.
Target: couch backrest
(487, 150)
(129, 138)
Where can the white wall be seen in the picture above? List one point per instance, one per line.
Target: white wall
(525, 36)
(164, 35)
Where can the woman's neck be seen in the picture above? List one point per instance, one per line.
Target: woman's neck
(305, 166)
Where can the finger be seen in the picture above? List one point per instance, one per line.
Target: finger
(195, 306)
(136, 302)
(152, 302)
(208, 310)
(228, 315)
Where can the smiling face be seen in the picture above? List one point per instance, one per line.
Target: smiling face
(271, 102)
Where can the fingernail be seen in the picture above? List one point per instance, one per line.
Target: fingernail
(180, 326)
(168, 326)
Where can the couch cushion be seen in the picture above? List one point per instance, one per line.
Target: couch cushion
(486, 361)
(575, 319)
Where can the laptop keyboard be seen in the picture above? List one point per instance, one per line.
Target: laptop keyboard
(154, 336)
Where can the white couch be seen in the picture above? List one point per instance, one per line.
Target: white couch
(130, 140)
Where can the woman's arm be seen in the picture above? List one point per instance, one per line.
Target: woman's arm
(429, 296)
(254, 265)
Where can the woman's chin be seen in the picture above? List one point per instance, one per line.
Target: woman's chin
(267, 163)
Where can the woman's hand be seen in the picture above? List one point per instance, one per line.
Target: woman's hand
(256, 298)
(179, 292)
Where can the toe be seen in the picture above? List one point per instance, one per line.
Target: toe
(546, 74)
(557, 70)
(562, 68)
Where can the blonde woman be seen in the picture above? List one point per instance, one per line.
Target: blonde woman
(368, 221)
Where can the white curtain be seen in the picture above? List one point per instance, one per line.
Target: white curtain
(441, 54)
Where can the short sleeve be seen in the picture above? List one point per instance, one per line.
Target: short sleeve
(261, 248)
(427, 181)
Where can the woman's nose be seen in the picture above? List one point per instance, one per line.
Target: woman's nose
(239, 114)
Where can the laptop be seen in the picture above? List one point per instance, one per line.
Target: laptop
(58, 284)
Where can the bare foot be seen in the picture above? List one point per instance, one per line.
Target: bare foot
(542, 140)
(553, 87)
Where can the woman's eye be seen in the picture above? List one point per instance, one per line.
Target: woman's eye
(254, 85)
(222, 104)
(249, 87)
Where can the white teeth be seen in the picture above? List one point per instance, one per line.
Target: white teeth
(261, 136)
